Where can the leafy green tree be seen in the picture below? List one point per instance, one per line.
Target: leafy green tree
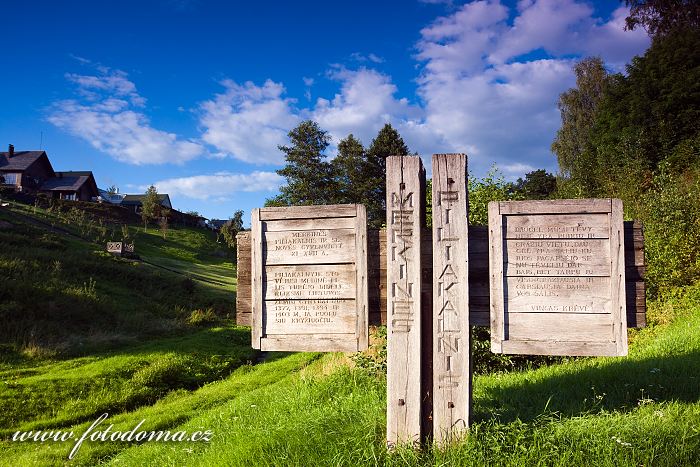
(647, 113)
(309, 176)
(231, 228)
(349, 169)
(538, 184)
(388, 142)
(150, 206)
(493, 187)
(578, 107)
(662, 17)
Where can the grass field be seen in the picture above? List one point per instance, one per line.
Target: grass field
(300, 409)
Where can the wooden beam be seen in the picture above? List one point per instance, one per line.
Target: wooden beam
(405, 203)
(452, 343)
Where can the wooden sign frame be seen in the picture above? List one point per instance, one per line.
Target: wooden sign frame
(316, 275)
(557, 277)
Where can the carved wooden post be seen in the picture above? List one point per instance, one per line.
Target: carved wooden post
(405, 207)
(451, 344)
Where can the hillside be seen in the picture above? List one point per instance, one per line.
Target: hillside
(63, 293)
(88, 334)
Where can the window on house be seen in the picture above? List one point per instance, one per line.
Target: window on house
(12, 179)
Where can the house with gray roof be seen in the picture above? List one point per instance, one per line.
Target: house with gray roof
(135, 202)
(76, 186)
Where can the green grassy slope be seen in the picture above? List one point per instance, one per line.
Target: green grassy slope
(639, 410)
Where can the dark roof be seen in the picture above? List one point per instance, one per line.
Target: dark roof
(138, 199)
(20, 161)
(75, 173)
(64, 183)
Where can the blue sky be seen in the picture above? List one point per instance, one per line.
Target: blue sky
(194, 96)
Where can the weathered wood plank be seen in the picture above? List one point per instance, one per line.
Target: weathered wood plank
(557, 226)
(310, 246)
(558, 294)
(574, 349)
(309, 343)
(555, 206)
(301, 212)
(405, 184)
(569, 327)
(617, 258)
(361, 293)
(451, 345)
(309, 224)
(257, 252)
(560, 257)
(496, 264)
(310, 281)
(310, 316)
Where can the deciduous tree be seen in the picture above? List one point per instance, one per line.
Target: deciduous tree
(150, 206)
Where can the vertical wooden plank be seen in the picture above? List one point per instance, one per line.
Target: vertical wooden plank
(617, 277)
(451, 346)
(256, 245)
(404, 204)
(496, 279)
(361, 297)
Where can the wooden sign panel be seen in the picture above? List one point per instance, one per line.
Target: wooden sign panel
(405, 208)
(114, 247)
(557, 277)
(451, 343)
(309, 278)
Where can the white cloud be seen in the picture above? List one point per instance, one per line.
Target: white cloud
(490, 81)
(362, 58)
(248, 122)
(365, 102)
(219, 185)
(105, 118)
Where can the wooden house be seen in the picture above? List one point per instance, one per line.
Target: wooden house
(26, 171)
(76, 186)
(135, 202)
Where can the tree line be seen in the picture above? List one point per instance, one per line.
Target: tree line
(636, 136)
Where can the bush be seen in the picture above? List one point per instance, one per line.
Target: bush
(671, 215)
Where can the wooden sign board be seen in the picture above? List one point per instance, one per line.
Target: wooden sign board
(557, 277)
(309, 278)
(114, 247)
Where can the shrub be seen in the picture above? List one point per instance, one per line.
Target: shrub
(200, 317)
(671, 215)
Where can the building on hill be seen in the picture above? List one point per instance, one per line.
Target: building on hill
(112, 198)
(26, 171)
(135, 202)
(76, 186)
(216, 224)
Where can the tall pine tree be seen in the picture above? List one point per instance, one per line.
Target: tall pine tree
(309, 176)
(388, 142)
(349, 168)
